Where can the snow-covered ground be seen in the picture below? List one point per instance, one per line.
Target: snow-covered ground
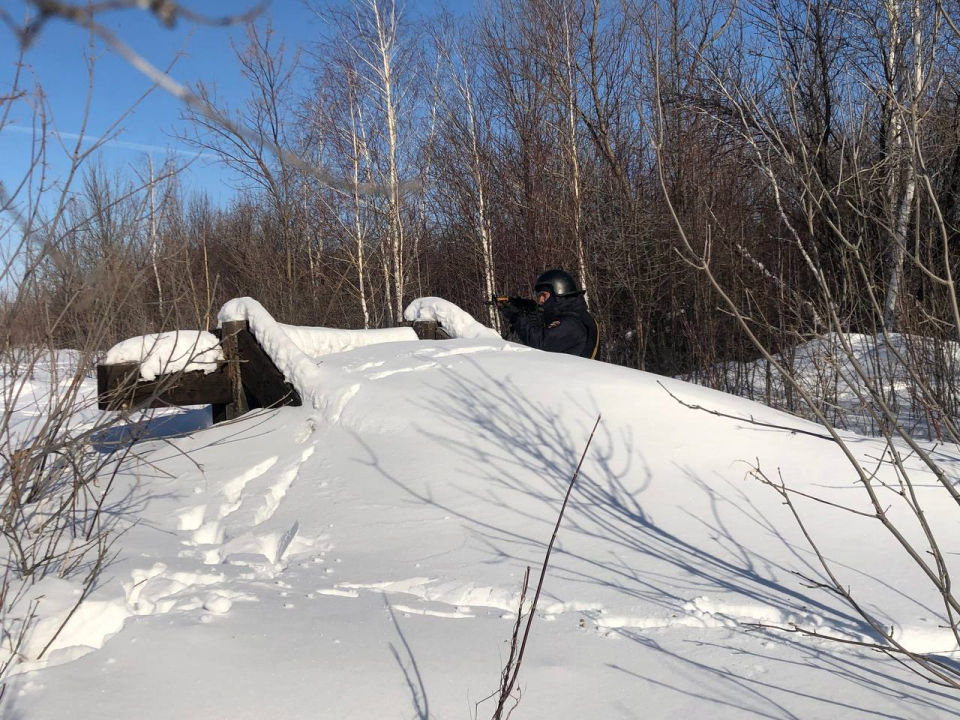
(361, 557)
(827, 368)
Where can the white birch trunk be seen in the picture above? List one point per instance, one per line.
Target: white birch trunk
(153, 236)
(574, 157)
(386, 40)
(904, 173)
(483, 222)
(359, 149)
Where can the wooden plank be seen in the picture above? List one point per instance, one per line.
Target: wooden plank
(428, 330)
(219, 409)
(425, 329)
(113, 380)
(119, 388)
(238, 401)
(197, 388)
(262, 379)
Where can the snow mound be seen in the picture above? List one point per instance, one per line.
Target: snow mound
(317, 341)
(827, 368)
(457, 322)
(294, 349)
(168, 352)
(382, 541)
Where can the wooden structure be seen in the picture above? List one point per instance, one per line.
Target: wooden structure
(429, 330)
(245, 380)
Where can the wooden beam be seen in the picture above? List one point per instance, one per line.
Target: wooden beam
(262, 379)
(112, 380)
(237, 405)
(428, 329)
(119, 387)
(425, 329)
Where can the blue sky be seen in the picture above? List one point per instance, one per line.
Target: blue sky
(57, 61)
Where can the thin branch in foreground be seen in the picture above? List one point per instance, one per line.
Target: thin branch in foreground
(163, 79)
(514, 637)
(507, 687)
(750, 420)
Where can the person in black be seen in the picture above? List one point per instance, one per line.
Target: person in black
(563, 325)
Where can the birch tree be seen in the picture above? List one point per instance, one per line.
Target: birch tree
(904, 89)
(385, 53)
(463, 110)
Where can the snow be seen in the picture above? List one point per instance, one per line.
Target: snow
(28, 395)
(457, 322)
(827, 371)
(168, 352)
(294, 349)
(362, 558)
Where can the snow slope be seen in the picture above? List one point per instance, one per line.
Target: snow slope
(28, 395)
(362, 558)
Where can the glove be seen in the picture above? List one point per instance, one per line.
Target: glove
(509, 311)
(516, 306)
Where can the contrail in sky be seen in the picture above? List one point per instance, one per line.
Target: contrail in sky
(119, 144)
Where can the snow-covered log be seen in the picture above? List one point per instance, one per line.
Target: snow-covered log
(295, 349)
(169, 352)
(457, 322)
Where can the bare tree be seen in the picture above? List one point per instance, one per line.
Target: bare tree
(265, 122)
(469, 122)
(771, 124)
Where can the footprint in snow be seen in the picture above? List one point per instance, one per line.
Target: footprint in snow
(306, 429)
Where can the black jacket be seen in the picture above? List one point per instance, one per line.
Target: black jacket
(564, 326)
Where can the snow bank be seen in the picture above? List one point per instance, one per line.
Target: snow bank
(294, 349)
(455, 321)
(169, 352)
(827, 371)
(317, 341)
(387, 549)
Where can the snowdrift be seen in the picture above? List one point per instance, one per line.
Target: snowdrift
(453, 319)
(294, 350)
(828, 371)
(362, 558)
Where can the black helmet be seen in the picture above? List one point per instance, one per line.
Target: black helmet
(558, 282)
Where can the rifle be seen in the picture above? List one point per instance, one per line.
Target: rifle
(524, 306)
